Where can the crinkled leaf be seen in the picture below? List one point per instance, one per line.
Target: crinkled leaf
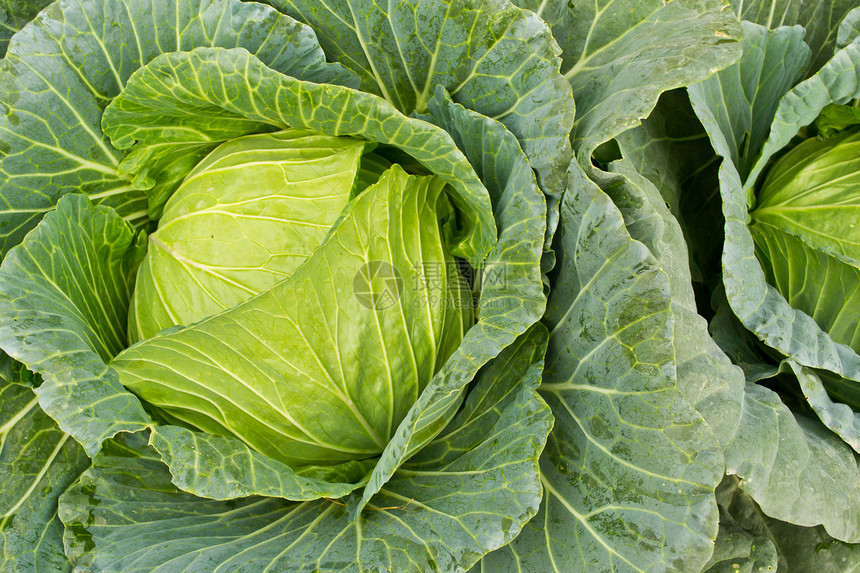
(491, 57)
(221, 467)
(512, 296)
(822, 20)
(705, 375)
(794, 468)
(38, 462)
(67, 65)
(64, 296)
(628, 479)
(125, 514)
(618, 70)
(14, 14)
(228, 93)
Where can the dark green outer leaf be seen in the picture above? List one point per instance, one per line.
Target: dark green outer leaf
(491, 57)
(794, 468)
(64, 68)
(821, 20)
(705, 375)
(672, 150)
(838, 81)
(615, 67)
(800, 446)
(472, 495)
(775, 477)
(628, 471)
(13, 371)
(799, 549)
(743, 109)
(778, 454)
(64, 296)
(14, 14)
(737, 550)
(849, 29)
(37, 463)
(840, 418)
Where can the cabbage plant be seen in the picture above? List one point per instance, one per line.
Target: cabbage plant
(363, 286)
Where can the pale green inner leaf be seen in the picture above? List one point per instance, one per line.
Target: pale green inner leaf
(244, 219)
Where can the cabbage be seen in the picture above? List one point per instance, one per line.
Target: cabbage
(363, 286)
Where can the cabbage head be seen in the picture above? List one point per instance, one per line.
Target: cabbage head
(305, 385)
